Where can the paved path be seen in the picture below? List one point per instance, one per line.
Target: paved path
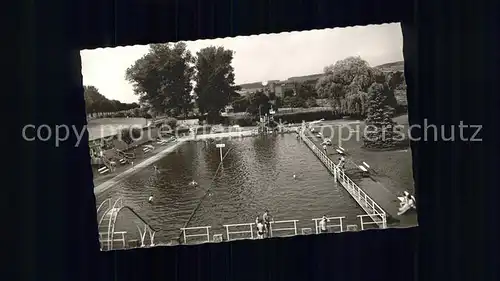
(385, 198)
(149, 161)
(123, 175)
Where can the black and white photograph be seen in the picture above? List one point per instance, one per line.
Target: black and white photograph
(250, 137)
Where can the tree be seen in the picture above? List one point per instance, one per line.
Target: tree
(162, 78)
(346, 84)
(171, 123)
(258, 103)
(306, 91)
(214, 80)
(310, 102)
(241, 104)
(380, 133)
(294, 102)
(288, 93)
(96, 102)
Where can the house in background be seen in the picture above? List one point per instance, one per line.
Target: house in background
(277, 86)
(248, 88)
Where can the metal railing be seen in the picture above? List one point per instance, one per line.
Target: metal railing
(372, 209)
(205, 234)
(111, 215)
(229, 232)
(120, 233)
(274, 228)
(340, 223)
(373, 219)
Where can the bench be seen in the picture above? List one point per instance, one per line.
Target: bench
(103, 170)
(364, 168)
(340, 150)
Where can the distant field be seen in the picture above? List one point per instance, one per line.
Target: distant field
(392, 67)
(104, 127)
(121, 121)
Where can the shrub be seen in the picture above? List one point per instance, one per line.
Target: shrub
(379, 116)
(306, 116)
(171, 122)
(128, 135)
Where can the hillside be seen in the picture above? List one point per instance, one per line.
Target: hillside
(392, 66)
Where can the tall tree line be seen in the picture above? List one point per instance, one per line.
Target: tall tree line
(172, 81)
(95, 102)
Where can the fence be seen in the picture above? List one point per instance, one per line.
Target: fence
(340, 223)
(277, 229)
(372, 209)
(229, 232)
(205, 234)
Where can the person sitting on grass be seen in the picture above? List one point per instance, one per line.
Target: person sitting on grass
(407, 203)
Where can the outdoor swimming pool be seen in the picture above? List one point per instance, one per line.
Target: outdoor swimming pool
(257, 174)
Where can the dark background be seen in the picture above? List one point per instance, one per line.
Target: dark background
(451, 59)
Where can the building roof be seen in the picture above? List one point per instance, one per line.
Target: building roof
(300, 79)
(255, 85)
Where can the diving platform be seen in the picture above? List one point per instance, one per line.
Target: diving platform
(113, 239)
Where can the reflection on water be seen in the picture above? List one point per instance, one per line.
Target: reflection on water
(257, 174)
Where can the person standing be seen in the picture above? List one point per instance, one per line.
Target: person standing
(260, 229)
(324, 149)
(322, 225)
(342, 163)
(266, 217)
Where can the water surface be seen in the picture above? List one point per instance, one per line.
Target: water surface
(257, 174)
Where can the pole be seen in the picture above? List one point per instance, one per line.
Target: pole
(220, 149)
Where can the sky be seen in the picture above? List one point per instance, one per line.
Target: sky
(259, 57)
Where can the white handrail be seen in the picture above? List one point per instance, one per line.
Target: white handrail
(228, 232)
(340, 224)
(372, 220)
(186, 236)
(366, 202)
(118, 204)
(294, 228)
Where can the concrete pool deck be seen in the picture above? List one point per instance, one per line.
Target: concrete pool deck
(132, 170)
(384, 197)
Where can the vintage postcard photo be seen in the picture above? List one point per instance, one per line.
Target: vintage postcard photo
(252, 137)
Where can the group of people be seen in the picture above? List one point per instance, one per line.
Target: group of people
(407, 203)
(263, 224)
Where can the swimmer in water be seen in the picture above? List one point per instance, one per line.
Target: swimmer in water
(294, 176)
(150, 200)
(193, 183)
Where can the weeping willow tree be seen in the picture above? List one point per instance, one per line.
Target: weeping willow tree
(346, 84)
